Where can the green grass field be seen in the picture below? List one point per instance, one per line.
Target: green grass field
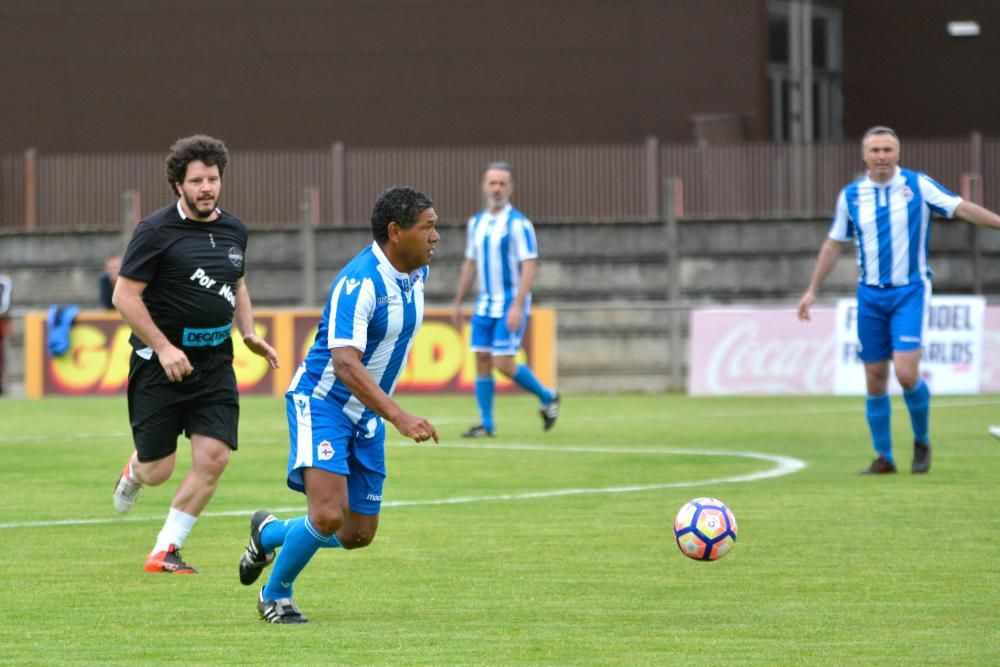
(530, 549)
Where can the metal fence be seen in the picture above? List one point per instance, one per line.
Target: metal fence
(620, 182)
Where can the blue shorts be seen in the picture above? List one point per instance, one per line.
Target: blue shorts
(891, 319)
(322, 436)
(490, 334)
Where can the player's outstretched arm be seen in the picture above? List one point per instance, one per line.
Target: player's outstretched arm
(977, 214)
(465, 277)
(348, 368)
(829, 252)
(243, 318)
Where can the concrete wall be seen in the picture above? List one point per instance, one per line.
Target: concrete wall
(608, 281)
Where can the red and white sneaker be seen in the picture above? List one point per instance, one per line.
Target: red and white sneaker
(126, 491)
(168, 561)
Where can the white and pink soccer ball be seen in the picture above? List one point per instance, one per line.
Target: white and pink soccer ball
(705, 529)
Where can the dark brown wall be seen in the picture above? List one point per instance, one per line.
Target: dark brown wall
(136, 74)
(902, 69)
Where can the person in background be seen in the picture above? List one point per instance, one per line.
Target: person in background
(6, 289)
(106, 281)
(887, 214)
(502, 254)
(181, 289)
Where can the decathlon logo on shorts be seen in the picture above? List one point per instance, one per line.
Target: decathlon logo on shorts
(206, 337)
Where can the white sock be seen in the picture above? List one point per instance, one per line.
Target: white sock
(175, 530)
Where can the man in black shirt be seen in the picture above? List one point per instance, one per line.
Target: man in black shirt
(181, 288)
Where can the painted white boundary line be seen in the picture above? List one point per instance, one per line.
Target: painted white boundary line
(855, 409)
(783, 465)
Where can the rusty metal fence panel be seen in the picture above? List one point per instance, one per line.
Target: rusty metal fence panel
(11, 191)
(991, 174)
(794, 180)
(566, 183)
(572, 183)
(84, 191)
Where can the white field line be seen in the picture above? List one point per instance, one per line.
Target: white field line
(783, 465)
(937, 404)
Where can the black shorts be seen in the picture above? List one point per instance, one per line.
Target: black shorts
(205, 403)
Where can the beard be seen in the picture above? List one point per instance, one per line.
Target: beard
(496, 204)
(192, 205)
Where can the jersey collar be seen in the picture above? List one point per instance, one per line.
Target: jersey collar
(180, 211)
(505, 211)
(896, 176)
(384, 261)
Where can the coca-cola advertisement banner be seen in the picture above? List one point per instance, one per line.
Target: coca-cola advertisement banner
(745, 350)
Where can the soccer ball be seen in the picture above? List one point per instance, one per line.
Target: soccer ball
(705, 529)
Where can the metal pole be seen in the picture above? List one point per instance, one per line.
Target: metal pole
(131, 212)
(339, 183)
(675, 350)
(30, 189)
(652, 175)
(309, 207)
(976, 196)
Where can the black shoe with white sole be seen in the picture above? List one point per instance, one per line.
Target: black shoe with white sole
(279, 611)
(255, 558)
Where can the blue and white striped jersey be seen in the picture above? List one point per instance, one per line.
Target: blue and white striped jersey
(498, 244)
(371, 307)
(891, 225)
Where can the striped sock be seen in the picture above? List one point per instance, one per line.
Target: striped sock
(918, 400)
(484, 398)
(527, 381)
(302, 541)
(878, 409)
(273, 534)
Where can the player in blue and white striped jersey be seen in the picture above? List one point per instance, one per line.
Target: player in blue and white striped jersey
(339, 397)
(502, 253)
(887, 214)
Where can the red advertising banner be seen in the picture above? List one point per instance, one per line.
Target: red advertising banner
(98, 355)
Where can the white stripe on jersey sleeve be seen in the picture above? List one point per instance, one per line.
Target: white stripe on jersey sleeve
(363, 309)
(521, 231)
(470, 238)
(840, 227)
(935, 195)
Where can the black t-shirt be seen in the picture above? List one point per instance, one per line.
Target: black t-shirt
(190, 269)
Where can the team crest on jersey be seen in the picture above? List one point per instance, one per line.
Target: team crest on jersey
(324, 452)
(236, 257)
(907, 193)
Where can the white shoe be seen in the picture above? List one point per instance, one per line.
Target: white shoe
(126, 491)
(995, 432)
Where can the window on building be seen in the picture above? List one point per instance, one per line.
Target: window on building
(804, 70)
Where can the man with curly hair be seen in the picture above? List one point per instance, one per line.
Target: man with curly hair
(181, 288)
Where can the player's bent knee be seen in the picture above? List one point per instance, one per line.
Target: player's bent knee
(327, 521)
(154, 473)
(907, 380)
(357, 539)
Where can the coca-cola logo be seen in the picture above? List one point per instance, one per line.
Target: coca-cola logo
(746, 362)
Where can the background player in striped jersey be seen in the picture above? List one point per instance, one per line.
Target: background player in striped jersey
(502, 254)
(887, 214)
(339, 397)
